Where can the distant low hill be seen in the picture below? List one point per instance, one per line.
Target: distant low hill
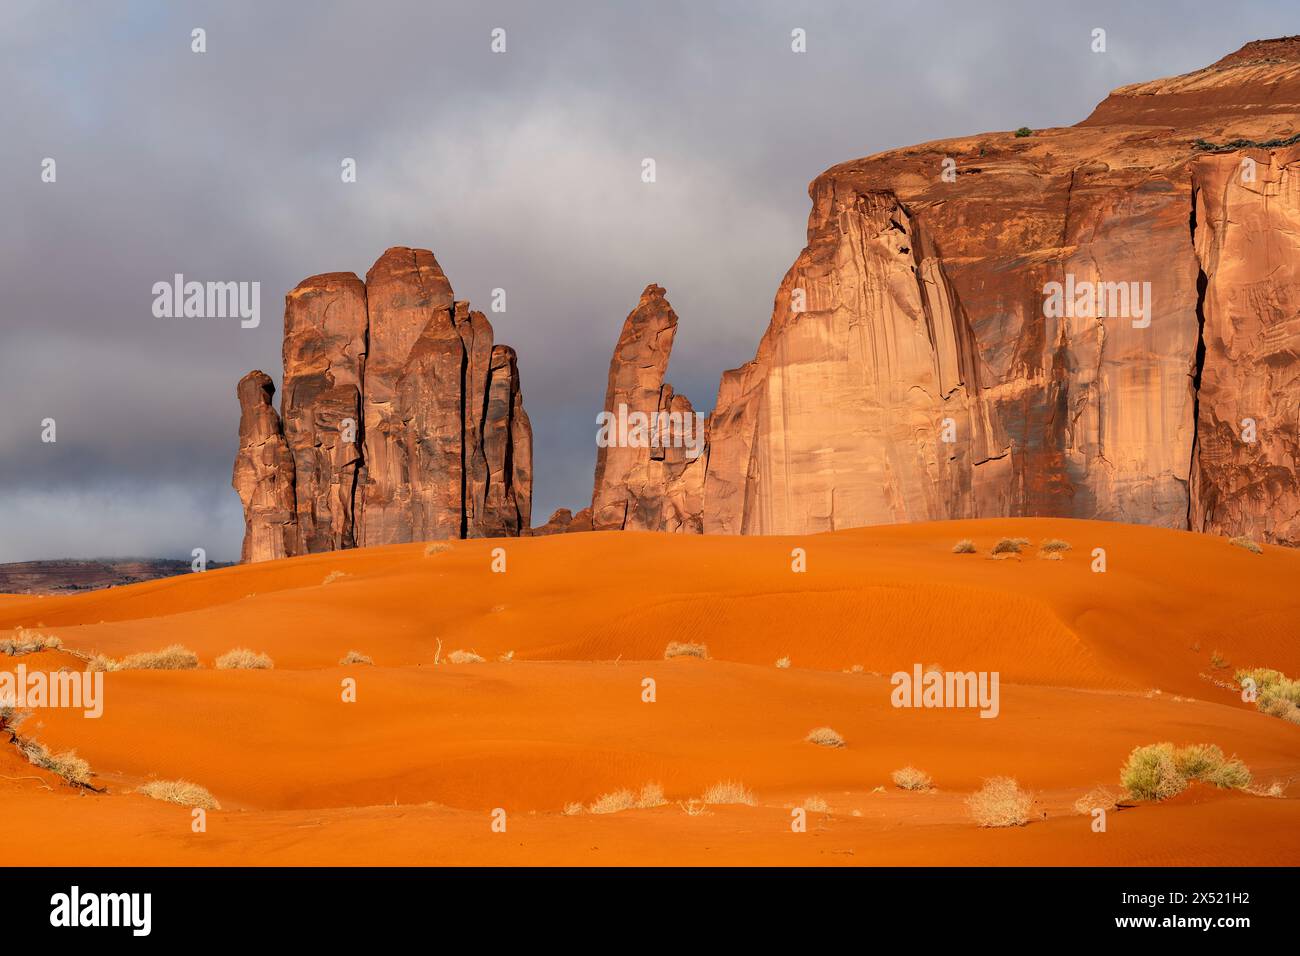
(69, 574)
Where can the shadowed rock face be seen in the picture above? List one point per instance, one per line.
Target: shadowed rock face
(402, 421)
(324, 362)
(264, 474)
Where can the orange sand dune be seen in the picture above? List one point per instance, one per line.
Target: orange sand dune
(1091, 664)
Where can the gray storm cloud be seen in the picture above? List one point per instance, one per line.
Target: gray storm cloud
(520, 170)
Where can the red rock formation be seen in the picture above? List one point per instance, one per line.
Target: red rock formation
(1248, 245)
(264, 474)
(649, 470)
(919, 312)
(324, 358)
(402, 420)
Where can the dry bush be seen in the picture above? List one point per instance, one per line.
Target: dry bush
(1159, 771)
(614, 802)
(1094, 799)
(1218, 660)
(783, 663)
(1010, 545)
(816, 805)
(685, 649)
(1151, 773)
(1276, 694)
(464, 657)
(726, 792)
(651, 796)
(694, 807)
(243, 659)
(66, 765)
(573, 809)
(507, 657)
(964, 546)
(333, 576)
(172, 658)
(1054, 546)
(101, 663)
(910, 778)
(1242, 541)
(436, 547)
(27, 642)
(180, 792)
(1000, 803)
(824, 737)
(355, 657)
(1275, 789)
(1206, 762)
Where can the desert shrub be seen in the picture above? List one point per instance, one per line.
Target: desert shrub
(1279, 707)
(507, 657)
(964, 546)
(1094, 799)
(1270, 685)
(436, 547)
(685, 649)
(824, 737)
(614, 802)
(1218, 660)
(1159, 771)
(355, 657)
(1010, 545)
(816, 805)
(573, 809)
(651, 795)
(910, 778)
(1024, 131)
(180, 792)
(1205, 762)
(333, 576)
(1248, 544)
(243, 659)
(27, 642)
(172, 658)
(102, 663)
(1054, 545)
(1000, 803)
(66, 765)
(464, 657)
(1151, 773)
(728, 792)
(783, 663)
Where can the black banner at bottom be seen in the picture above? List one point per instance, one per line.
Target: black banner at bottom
(331, 904)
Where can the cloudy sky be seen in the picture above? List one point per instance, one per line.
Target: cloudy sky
(520, 170)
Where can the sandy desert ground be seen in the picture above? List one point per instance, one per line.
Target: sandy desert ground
(1091, 664)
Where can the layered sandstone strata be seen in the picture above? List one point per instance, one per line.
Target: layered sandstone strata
(402, 420)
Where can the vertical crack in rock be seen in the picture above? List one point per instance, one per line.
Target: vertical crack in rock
(384, 411)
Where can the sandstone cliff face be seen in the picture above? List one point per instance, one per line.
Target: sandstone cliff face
(915, 369)
(1248, 245)
(402, 421)
(647, 478)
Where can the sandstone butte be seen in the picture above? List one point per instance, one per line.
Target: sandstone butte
(916, 313)
(914, 368)
(401, 420)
